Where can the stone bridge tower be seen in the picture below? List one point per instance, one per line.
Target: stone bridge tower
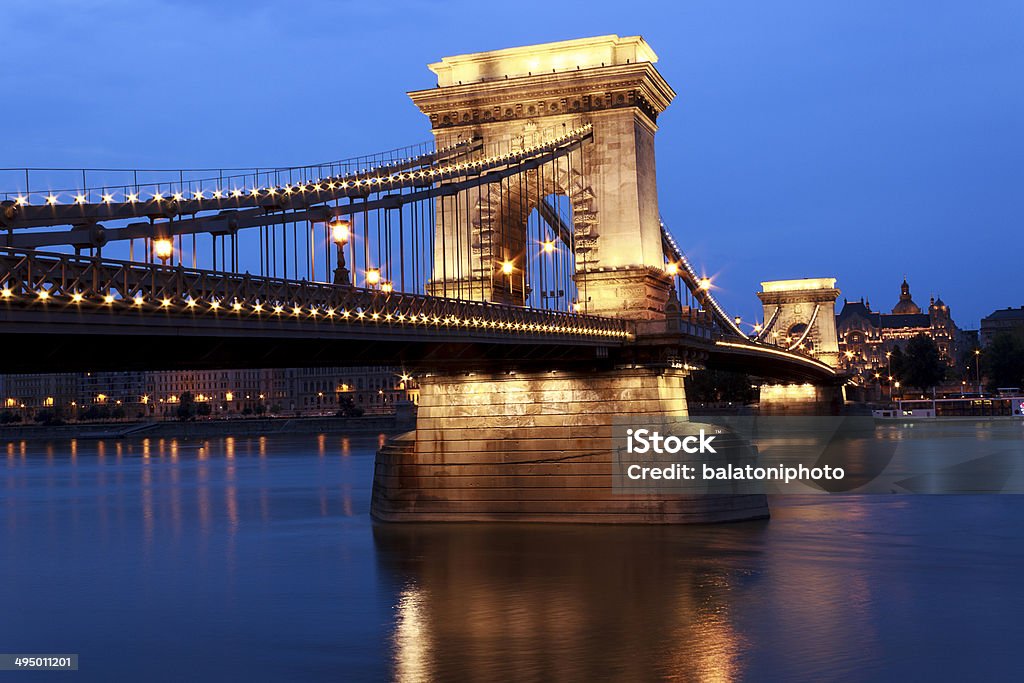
(516, 97)
(535, 443)
(803, 313)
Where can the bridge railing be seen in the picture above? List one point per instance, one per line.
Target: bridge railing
(45, 280)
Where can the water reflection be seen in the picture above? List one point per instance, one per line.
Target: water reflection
(566, 602)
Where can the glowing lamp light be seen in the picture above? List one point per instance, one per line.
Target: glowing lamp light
(43, 295)
(672, 269)
(21, 200)
(133, 197)
(163, 248)
(5, 293)
(237, 306)
(386, 286)
(373, 277)
(507, 267)
(107, 198)
(340, 231)
(108, 299)
(51, 199)
(79, 199)
(705, 283)
(77, 297)
(198, 194)
(138, 299)
(549, 247)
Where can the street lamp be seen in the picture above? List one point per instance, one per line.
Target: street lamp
(340, 234)
(977, 367)
(163, 249)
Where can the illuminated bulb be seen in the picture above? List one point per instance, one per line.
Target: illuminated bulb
(198, 194)
(705, 283)
(278, 309)
(672, 269)
(312, 311)
(163, 248)
(255, 192)
(51, 199)
(138, 299)
(191, 303)
(330, 312)
(217, 194)
(296, 310)
(507, 268)
(5, 293)
(236, 193)
(133, 197)
(158, 196)
(107, 198)
(76, 297)
(258, 307)
(108, 299)
(165, 302)
(386, 286)
(214, 304)
(79, 199)
(43, 295)
(340, 231)
(21, 200)
(372, 276)
(237, 306)
(178, 196)
(549, 246)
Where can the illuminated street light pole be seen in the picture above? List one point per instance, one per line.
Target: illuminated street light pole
(340, 233)
(977, 367)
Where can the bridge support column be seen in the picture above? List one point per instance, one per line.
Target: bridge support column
(532, 447)
(800, 399)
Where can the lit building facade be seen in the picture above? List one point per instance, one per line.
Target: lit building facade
(866, 337)
(226, 392)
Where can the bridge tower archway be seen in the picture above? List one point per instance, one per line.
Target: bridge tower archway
(514, 98)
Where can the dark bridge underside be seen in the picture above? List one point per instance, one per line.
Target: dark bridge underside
(69, 342)
(78, 342)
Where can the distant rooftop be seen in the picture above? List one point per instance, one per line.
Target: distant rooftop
(1006, 314)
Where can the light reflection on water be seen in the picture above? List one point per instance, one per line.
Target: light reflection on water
(255, 559)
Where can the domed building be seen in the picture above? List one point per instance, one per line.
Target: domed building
(865, 336)
(906, 305)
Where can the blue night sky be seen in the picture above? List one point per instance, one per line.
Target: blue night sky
(861, 140)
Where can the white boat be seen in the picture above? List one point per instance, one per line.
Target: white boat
(968, 406)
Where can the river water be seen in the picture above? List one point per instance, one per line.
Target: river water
(255, 559)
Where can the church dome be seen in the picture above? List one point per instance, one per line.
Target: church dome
(906, 304)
